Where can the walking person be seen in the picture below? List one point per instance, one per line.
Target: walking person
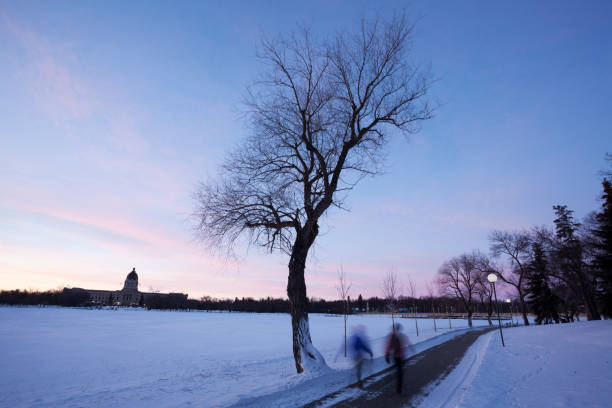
(359, 348)
(397, 343)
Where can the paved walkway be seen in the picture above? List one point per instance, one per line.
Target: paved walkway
(419, 371)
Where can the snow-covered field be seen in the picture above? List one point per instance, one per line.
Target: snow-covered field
(565, 365)
(129, 357)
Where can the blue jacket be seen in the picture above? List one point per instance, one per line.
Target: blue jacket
(359, 346)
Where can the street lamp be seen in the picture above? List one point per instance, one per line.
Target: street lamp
(493, 278)
(511, 310)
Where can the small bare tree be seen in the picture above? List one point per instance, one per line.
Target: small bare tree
(458, 277)
(516, 248)
(391, 290)
(344, 289)
(320, 117)
(412, 293)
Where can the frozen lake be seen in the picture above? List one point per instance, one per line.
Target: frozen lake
(131, 357)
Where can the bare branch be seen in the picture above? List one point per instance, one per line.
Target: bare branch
(390, 286)
(515, 246)
(343, 287)
(320, 118)
(411, 285)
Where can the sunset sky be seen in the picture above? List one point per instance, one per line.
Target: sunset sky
(111, 112)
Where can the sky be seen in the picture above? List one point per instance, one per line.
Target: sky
(111, 113)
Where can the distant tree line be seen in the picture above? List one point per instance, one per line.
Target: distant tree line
(60, 297)
(404, 305)
(78, 298)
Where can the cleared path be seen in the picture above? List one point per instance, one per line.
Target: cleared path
(419, 371)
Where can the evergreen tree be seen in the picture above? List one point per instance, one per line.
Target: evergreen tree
(565, 227)
(539, 296)
(570, 256)
(360, 303)
(603, 256)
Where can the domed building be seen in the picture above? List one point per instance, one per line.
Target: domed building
(128, 296)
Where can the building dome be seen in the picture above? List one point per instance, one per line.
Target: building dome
(131, 281)
(132, 275)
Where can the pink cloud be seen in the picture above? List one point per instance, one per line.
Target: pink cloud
(30, 199)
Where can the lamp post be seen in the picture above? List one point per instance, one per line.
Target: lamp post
(434, 316)
(492, 278)
(511, 310)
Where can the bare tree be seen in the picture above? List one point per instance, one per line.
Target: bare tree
(516, 248)
(412, 293)
(391, 290)
(320, 118)
(484, 290)
(344, 289)
(458, 277)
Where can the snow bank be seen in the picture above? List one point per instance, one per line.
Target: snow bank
(566, 365)
(136, 358)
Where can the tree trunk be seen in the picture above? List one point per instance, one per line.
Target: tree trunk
(305, 354)
(469, 317)
(416, 322)
(345, 318)
(523, 307)
(589, 301)
(490, 312)
(582, 290)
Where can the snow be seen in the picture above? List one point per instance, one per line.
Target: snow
(137, 358)
(310, 358)
(564, 365)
